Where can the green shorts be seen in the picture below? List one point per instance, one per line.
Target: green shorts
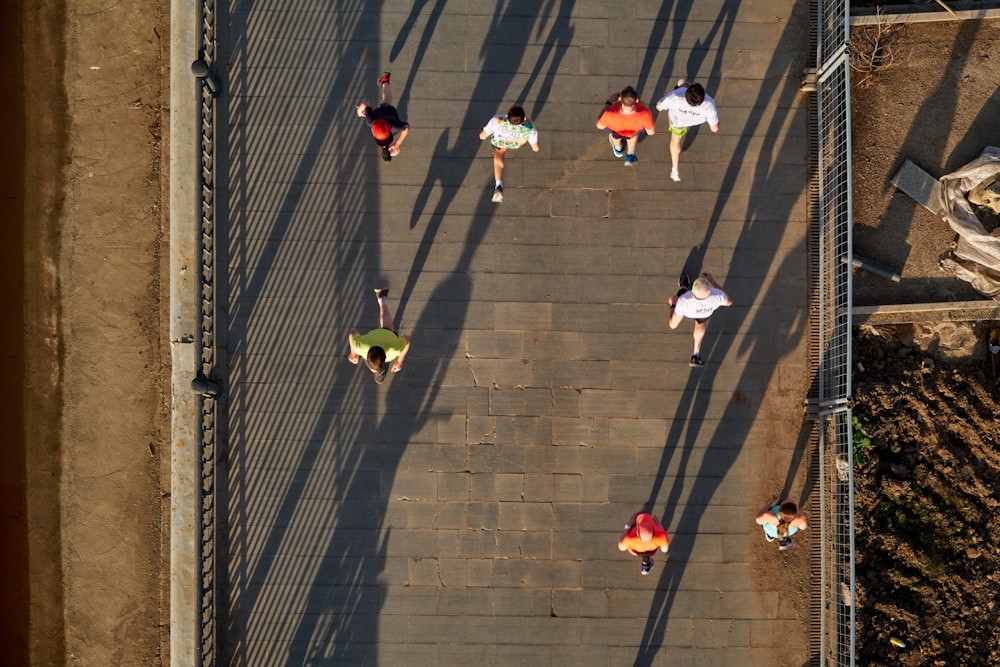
(677, 131)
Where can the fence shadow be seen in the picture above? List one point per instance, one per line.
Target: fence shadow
(311, 459)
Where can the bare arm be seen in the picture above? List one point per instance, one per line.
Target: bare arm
(397, 365)
(663, 547)
(483, 134)
(614, 97)
(765, 512)
(352, 357)
(714, 128)
(675, 318)
(394, 148)
(361, 109)
(628, 527)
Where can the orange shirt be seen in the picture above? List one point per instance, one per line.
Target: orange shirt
(634, 544)
(629, 124)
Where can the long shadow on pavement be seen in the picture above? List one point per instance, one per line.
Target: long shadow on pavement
(759, 353)
(309, 474)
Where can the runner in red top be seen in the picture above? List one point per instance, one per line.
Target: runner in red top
(642, 537)
(625, 119)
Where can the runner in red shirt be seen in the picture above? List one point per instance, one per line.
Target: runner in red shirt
(625, 119)
(642, 537)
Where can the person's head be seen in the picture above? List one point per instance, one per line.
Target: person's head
(701, 289)
(695, 94)
(382, 132)
(644, 528)
(376, 363)
(629, 96)
(786, 514)
(515, 115)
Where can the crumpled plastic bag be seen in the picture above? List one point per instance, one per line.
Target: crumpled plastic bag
(976, 257)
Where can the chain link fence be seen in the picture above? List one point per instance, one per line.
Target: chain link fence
(832, 236)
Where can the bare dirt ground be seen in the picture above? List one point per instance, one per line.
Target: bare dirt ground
(937, 105)
(927, 435)
(96, 367)
(928, 531)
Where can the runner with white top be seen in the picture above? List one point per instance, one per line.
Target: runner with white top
(510, 131)
(697, 302)
(686, 106)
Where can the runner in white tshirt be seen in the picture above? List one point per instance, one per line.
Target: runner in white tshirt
(698, 303)
(686, 106)
(510, 131)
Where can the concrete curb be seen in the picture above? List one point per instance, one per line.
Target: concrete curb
(954, 311)
(925, 17)
(184, 263)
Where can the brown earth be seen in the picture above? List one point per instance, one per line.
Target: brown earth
(928, 531)
(94, 491)
(926, 395)
(936, 105)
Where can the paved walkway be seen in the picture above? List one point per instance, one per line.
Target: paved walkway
(468, 510)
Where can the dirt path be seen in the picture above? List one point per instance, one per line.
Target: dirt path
(95, 277)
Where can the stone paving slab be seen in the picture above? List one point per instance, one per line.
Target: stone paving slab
(469, 508)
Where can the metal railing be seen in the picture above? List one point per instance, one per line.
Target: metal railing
(833, 386)
(208, 407)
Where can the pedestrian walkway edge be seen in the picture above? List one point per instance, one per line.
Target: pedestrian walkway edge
(184, 260)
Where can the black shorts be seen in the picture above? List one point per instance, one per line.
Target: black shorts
(614, 134)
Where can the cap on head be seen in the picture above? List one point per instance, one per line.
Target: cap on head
(644, 527)
(381, 130)
(701, 289)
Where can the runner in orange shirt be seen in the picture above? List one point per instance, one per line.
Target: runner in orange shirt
(625, 119)
(642, 537)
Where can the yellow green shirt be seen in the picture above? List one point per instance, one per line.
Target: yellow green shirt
(383, 338)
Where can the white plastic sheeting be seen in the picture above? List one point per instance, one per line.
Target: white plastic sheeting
(976, 257)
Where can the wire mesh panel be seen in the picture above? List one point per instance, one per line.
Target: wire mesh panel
(833, 104)
(834, 220)
(837, 533)
(833, 385)
(833, 29)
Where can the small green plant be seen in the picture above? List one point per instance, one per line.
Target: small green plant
(861, 443)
